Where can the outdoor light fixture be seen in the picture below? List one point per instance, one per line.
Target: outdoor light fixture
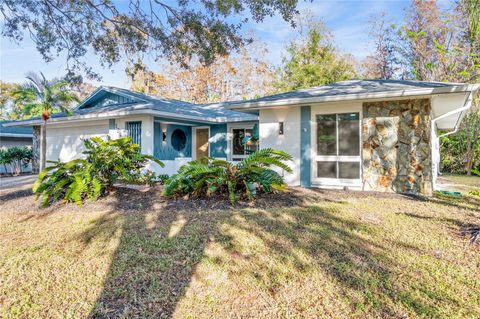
(280, 128)
(164, 136)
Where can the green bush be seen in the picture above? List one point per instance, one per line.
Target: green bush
(106, 162)
(208, 176)
(16, 158)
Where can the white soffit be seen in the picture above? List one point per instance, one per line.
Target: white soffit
(443, 104)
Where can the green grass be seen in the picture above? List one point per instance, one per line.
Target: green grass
(347, 256)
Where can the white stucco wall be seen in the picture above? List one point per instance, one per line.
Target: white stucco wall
(288, 142)
(65, 141)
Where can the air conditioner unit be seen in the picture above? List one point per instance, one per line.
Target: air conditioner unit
(115, 134)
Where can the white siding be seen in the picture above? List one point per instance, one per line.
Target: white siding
(288, 142)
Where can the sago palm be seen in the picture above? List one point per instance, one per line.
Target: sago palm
(208, 176)
(48, 97)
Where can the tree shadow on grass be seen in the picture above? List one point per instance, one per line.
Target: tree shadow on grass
(161, 245)
(155, 258)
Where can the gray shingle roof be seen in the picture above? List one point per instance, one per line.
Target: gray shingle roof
(352, 87)
(172, 107)
(14, 130)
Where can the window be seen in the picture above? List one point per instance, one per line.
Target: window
(242, 143)
(135, 131)
(338, 146)
(178, 140)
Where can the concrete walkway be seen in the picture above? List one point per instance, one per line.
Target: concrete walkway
(17, 181)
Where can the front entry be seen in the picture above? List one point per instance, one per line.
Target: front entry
(201, 142)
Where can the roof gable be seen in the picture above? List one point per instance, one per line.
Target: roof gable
(104, 97)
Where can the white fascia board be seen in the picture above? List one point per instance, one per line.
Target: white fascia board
(136, 110)
(353, 96)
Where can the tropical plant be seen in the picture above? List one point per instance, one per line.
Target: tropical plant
(16, 158)
(208, 176)
(106, 162)
(47, 97)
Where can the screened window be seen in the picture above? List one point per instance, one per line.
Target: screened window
(338, 146)
(135, 131)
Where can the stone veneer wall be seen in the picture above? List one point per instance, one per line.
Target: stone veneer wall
(36, 149)
(397, 147)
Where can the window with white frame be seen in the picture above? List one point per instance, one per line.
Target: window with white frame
(338, 146)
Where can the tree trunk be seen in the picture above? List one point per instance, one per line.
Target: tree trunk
(43, 146)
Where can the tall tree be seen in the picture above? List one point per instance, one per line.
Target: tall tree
(117, 29)
(241, 75)
(383, 62)
(313, 60)
(6, 98)
(49, 97)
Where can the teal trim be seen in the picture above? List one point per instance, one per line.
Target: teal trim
(180, 121)
(164, 150)
(305, 146)
(111, 124)
(218, 140)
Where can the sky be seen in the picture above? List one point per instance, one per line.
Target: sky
(348, 21)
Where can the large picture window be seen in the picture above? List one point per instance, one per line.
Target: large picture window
(338, 146)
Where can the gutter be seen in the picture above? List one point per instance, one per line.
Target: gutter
(350, 97)
(466, 106)
(145, 111)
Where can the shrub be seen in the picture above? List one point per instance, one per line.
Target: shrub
(106, 162)
(208, 176)
(16, 158)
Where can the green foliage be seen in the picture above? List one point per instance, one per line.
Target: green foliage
(476, 172)
(176, 30)
(15, 158)
(313, 62)
(106, 162)
(460, 152)
(207, 176)
(475, 192)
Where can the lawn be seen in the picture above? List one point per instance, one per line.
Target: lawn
(307, 254)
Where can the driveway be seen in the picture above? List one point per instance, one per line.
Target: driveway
(22, 181)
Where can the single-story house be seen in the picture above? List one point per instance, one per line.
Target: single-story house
(379, 135)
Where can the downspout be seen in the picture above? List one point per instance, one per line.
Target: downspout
(465, 107)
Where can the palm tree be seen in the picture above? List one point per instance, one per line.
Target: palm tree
(48, 97)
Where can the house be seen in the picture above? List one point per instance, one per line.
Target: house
(14, 135)
(11, 136)
(173, 131)
(360, 134)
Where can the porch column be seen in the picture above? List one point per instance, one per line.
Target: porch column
(305, 146)
(36, 149)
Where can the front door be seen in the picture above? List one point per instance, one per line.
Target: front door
(201, 142)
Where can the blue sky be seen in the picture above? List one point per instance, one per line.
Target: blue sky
(348, 21)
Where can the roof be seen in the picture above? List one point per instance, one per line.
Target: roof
(134, 103)
(351, 90)
(14, 131)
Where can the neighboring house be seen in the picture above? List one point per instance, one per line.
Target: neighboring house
(359, 134)
(14, 136)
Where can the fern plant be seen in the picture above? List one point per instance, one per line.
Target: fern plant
(106, 162)
(208, 176)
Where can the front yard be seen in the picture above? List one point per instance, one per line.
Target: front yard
(310, 253)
